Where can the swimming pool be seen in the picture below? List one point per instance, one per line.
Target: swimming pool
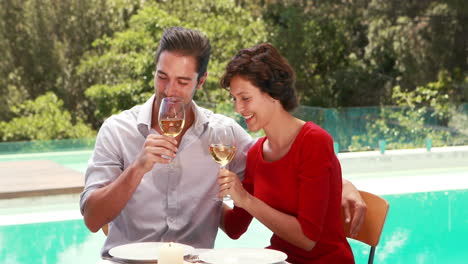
(429, 227)
(422, 227)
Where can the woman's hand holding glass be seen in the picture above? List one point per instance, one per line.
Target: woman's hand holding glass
(222, 147)
(230, 185)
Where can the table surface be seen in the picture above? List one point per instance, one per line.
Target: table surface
(196, 252)
(185, 262)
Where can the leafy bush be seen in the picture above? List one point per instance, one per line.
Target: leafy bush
(43, 119)
(422, 113)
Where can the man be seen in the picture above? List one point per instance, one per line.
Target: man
(128, 181)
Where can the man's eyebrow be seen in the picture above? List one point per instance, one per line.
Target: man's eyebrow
(161, 72)
(178, 77)
(184, 78)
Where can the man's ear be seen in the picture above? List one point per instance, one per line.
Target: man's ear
(202, 80)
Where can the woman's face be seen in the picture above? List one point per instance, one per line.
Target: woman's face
(255, 106)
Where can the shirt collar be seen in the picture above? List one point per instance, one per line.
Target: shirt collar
(144, 117)
(201, 119)
(146, 112)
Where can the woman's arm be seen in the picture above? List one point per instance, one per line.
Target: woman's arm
(283, 225)
(234, 222)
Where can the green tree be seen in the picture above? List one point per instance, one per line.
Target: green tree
(352, 53)
(415, 40)
(97, 55)
(325, 44)
(120, 69)
(42, 42)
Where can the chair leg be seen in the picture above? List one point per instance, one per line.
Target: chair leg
(371, 255)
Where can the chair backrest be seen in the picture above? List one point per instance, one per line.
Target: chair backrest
(377, 209)
(105, 229)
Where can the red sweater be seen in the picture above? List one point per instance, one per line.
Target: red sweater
(306, 183)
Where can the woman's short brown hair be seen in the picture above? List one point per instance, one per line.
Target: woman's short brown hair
(266, 69)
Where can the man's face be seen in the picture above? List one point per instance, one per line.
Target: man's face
(176, 75)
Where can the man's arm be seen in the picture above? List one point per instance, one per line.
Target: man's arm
(106, 203)
(354, 207)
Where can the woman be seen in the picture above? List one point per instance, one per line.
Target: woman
(293, 179)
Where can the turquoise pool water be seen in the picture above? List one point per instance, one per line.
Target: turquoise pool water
(421, 228)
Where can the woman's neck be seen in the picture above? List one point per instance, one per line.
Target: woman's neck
(282, 131)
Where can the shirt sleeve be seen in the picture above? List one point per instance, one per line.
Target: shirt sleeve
(237, 220)
(315, 172)
(105, 164)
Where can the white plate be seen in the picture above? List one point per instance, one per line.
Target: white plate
(144, 251)
(242, 255)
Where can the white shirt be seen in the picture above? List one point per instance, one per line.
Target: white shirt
(171, 203)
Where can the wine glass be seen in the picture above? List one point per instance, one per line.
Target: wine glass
(222, 148)
(171, 116)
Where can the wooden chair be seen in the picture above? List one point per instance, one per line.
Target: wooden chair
(377, 209)
(105, 229)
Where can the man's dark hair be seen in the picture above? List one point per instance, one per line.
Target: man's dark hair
(187, 42)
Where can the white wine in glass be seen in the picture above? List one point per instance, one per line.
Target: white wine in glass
(222, 154)
(222, 148)
(171, 116)
(171, 126)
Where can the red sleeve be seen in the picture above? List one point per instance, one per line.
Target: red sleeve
(237, 220)
(315, 172)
